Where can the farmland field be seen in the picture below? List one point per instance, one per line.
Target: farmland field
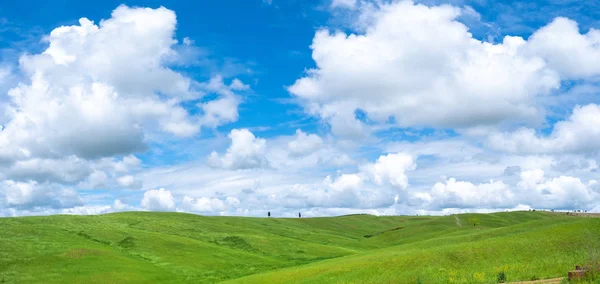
(144, 247)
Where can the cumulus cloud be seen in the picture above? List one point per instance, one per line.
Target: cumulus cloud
(29, 195)
(129, 181)
(572, 54)
(304, 144)
(577, 134)
(563, 192)
(245, 152)
(209, 205)
(533, 189)
(111, 173)
(101, 80)
(69, 170)
(290, 188)
(126, 164)
(394, 70)
(225, 108)
(375, 184)
(117, 206)
(460, 194)
(97, 90)
(391, 169)
(158, 200)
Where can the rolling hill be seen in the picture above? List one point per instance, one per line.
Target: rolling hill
(145, 247)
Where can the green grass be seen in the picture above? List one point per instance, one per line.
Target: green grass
(143, 247)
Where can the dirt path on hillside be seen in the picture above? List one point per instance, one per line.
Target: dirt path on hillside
(545, 281)
(457, 221)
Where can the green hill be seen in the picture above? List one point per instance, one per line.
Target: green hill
(143, 247)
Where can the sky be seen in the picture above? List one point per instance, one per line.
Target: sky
(324, 107)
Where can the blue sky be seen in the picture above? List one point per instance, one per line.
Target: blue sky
(325, 106)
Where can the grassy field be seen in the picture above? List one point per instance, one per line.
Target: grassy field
(143, 247)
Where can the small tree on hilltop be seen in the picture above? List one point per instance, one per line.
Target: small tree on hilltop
(269, 214)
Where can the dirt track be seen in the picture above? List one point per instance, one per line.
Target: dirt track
(546, 281)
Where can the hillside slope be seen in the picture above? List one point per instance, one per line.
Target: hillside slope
(526, 246)
(143, 247)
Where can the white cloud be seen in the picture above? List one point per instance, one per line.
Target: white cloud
(459, 194)
(533, 190)
(345, 181)
(422, 67)
(562, 192)
(188, 41)
(302, 150)
(129, 181)
(572, 54)
(70, 170)
(97, 179)
(391, 169)
(158, 200)
(304, 144)
(340, 160)
(204, 204)
(285, 188)
(246, 152)
(224, 109)
(111, 173)
(577, 134)
(117, 206)
(127, 164)
(348, 4)
(29, 195)
(238, 85)
(98, 90)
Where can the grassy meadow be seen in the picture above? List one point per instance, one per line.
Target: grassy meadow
(145, 247)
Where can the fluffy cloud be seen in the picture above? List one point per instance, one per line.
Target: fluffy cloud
(375, 185)
(245, 152)
(563, 192)
(577, 134)
(70, 170)
(459, 194)
(533, 189)
(126, 164)
(29, 195)
(202, 204)
(304, 144)
(289, 188)
(158, 200)
(391, 169)
(224, 109)
(129, 181)
(208, 205)
(394, 70)
(101, 80)
(97, 90)
(571, 54)
(117, 206)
